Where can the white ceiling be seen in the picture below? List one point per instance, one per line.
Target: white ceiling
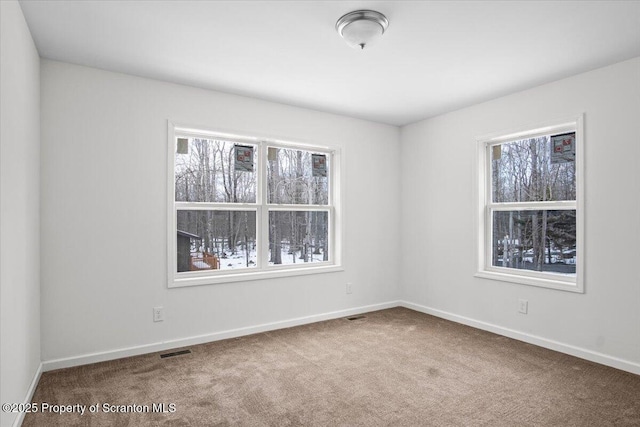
(436, 56)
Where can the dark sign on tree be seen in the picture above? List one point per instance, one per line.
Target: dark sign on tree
(319, 164)
(244, 158)
(563, 148)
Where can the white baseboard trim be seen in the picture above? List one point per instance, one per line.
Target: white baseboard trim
(32, 389)
(85, 359)
(582, 353)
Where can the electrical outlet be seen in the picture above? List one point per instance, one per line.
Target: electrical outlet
(158, 314)
(349, 288)
(523, 306)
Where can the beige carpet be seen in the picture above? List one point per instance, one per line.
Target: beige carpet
(394, 367)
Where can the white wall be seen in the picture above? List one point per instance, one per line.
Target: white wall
(104, 139)
(19, 207)
(438, 216)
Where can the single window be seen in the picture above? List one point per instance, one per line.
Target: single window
(242, 208)
(530, 225)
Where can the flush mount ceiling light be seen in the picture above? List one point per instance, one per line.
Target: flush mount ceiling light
(362, 28)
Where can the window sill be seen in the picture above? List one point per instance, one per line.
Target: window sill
(181, 282)
(550, 282)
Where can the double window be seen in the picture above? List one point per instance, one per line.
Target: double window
(530, 226)
(245, 208)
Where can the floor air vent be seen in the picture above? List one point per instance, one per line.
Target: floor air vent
(356, 317)
(175, 353)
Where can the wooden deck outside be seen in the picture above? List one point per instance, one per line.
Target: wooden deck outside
(207, 261)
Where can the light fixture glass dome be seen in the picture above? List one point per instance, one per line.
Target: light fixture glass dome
(362, 28)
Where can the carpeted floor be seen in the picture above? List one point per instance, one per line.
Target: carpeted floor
(394, 367)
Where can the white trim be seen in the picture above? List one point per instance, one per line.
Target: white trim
(193, 133)
(571, 350)
(262, 269)
(485, 207)
(207, 206)
(566, 124)
(241, 136)
(102, 356)
(337, 184)
(262, 222)
(580, 208)
(526, 277)
(533, 206)
(269, 272)
(299, 208)
(17, 422)
(171, 210)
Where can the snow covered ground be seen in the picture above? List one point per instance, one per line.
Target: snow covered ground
(239, 259)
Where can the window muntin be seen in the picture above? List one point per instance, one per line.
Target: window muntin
(531, 220)
(231, 213)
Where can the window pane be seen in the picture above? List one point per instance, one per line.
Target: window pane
(537, 240)
(213, 170)
(297, 177)
(298, 237)
(526, 171)
(215, 240)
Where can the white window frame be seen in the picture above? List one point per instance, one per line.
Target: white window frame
(485, 207)
(262, 208)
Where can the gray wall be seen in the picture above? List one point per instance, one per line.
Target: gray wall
(19, 207)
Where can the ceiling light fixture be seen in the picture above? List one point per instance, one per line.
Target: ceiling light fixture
(362, 28)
